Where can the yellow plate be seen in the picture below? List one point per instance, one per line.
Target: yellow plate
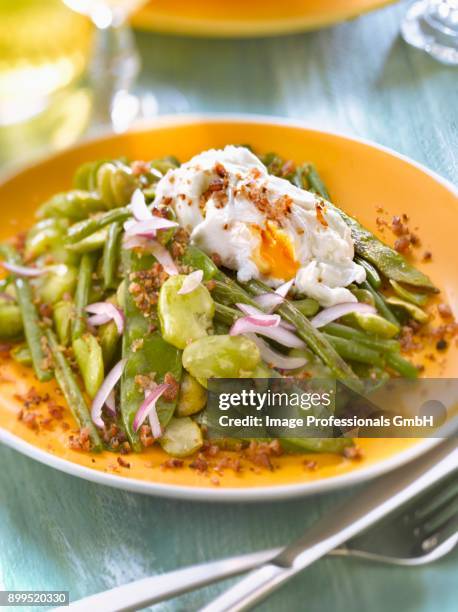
(361, 177)
(226, 18)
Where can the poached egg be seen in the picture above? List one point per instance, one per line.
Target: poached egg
(262, 226)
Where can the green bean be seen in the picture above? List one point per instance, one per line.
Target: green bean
(372, 276)
(197, 259)
(80, 230)
(419, 299)
(74, 205)
(380, 303)
(308, 306)
(63, 314)
(363, 295)
(316, 445)
(88, 355)
(93, 242)
(82, 294)
(72, 392)
(225, 314)
(32, 327)
(401, 365)
(111, 256)
(312, 337)
(146, 352)
(344, 331)
(315, 183)
(10, 321)
(21, 354)
(355, 351)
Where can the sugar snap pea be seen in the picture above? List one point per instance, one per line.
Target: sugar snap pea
(72, 393)
(73, 205)
(111, 256)
(146, 352)
(85, 228)
(82, 294)
(33, 331)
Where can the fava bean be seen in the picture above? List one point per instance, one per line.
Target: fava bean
(116, 184)
(89, 358)
(182, 437)
(192, 398)
(73, 205)
(63, 313)
(10, 321)
(52, 287)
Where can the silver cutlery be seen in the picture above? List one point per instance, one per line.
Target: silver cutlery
(420, 533)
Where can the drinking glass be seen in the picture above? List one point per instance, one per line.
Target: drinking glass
(116, 64)
(432, 25)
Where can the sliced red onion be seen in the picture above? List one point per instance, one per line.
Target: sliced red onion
(6, 296)
(105, 389)
(270, 301)
(149, 227)
(110, 403)
(163, 256)
(148, 407)
(135, 242)
(276, 359)
(339, 310)
(24, 270)
(245, 325)
(191, 282)
(138, 206)
(253, 311)
(104, 312)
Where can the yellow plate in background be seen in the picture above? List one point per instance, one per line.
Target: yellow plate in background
(361, 178)
(236, 18)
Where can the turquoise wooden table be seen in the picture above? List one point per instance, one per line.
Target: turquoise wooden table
(57, 532)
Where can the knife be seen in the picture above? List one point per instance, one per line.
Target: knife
(344, 522)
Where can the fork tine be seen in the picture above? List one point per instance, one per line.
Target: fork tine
(436, 498)
(441, 516)
(443, 533)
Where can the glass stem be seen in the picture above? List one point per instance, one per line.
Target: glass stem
(114, 68)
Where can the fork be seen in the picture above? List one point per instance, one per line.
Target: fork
(422, 532)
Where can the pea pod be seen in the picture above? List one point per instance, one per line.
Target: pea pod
(73, 205)
(146, 352)
(184, 318)
(34, 334)
(419, 299)
(88, 355)
(193, 397)
(72, 392)
(221, 357)
(414, 311)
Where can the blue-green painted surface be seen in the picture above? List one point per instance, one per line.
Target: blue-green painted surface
(57, 532)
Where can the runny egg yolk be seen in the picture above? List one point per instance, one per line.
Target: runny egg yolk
(275, 256)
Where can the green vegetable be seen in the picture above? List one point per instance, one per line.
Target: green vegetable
(116, 184)
(401, 365)
(187, 317)
(353, 351)
(372, 324)
(111, 256)
(226, 315)
(314, 181)
(221, 357)
(73, 205)
(372, 276)
(80, 230)
(419, 299)
(89, 358)
(34, 334)
(316, 445)
(146, 352)
(52, 287)
(93, 242)
(380, 303)
(72, 392)
(363, 295)
(373, 342)
(197, 259)
(109, 340)
(193, 397)
(82, 294)
(86, 175)
(44, 236)
(10, 321)
(414, 311)
(308, 306)
(182, 437)
(21, 353)
(63, 314)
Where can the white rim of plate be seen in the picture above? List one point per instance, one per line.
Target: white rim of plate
(223, 494)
